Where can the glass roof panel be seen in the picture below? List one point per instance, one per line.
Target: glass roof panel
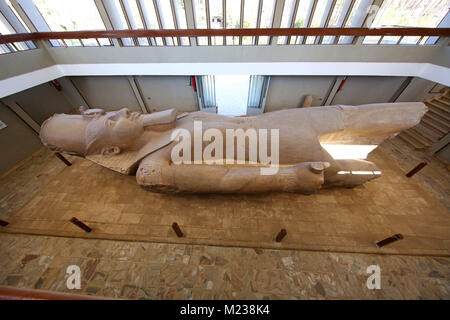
(70, 15)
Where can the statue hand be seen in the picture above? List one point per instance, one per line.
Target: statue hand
(309, 177)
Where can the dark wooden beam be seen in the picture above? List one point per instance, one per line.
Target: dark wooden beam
(281, 235)
(416, 169)
(273, 32)
(80, 224)
(63, 159)
(389, 240)
(177, 230)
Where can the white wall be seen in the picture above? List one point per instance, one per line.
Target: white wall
(290, 91)
(17, 140)
(365, 90)
(42, 101)
(164, 92)
(109, 93)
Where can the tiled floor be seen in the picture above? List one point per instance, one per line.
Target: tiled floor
(337, 219)
(434, 177)
(142, 270)
(168, 271)
(20, 184)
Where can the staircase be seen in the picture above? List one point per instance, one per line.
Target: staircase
(434, 125)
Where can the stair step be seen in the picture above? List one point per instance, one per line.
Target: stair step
(434, 124)
(411, 141)
(443, 122)
(439, 112)
(444, 100)
(428, 133)
(438, 105)
(419, 137)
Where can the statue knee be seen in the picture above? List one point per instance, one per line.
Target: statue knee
(153, 176)
(149, 173)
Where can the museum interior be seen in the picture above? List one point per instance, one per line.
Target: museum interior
(353, 94)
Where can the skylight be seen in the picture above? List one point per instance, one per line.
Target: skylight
(267, 11)
(233, 19)
(398, 13)
(71, 16)
(216, 16)
(79, 15)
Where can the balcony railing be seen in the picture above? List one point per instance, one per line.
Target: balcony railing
(356, 33)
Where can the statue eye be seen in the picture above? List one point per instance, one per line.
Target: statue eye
(110, 123)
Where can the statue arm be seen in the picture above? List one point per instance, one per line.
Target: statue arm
(157, 173)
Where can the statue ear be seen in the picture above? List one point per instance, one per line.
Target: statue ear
(109, 151)
(82, 109)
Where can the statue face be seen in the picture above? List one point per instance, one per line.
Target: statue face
(114, 131)
(98, 132)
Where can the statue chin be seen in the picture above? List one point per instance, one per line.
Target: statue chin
(327, 150)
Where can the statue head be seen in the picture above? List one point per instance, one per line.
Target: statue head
(98, 132)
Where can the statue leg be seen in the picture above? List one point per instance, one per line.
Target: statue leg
(350, 173)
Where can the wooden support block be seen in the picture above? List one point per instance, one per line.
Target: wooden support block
(386, 241)
(80, 224)
(61, 157)
(281, 235)
(307, 102)
(3, 223)
(177, 229)
(416, 169)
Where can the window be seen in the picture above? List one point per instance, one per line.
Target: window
(233, 12)
(119, 19)
(11, 26)
(232, 94)
(20, 26)
(135, 20)
(267, 12)
(216, 17)
(336, 19)
(319, 17)
(286, 18)
(200, 19)
(72, 16)
(180, 14)
(151, 19)
(398, 13)
(251, 8)
(167, 21)
(358, 12)
(15, 21)
(257, 91)
(5, 28)
(353, 12)
(206, 91)
(302, 18)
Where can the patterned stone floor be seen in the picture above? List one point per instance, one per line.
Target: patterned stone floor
(435, 177)
(20, 184)
(142, 270)
(337, 219)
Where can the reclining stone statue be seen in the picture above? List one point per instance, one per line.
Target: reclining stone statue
(200, 152)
